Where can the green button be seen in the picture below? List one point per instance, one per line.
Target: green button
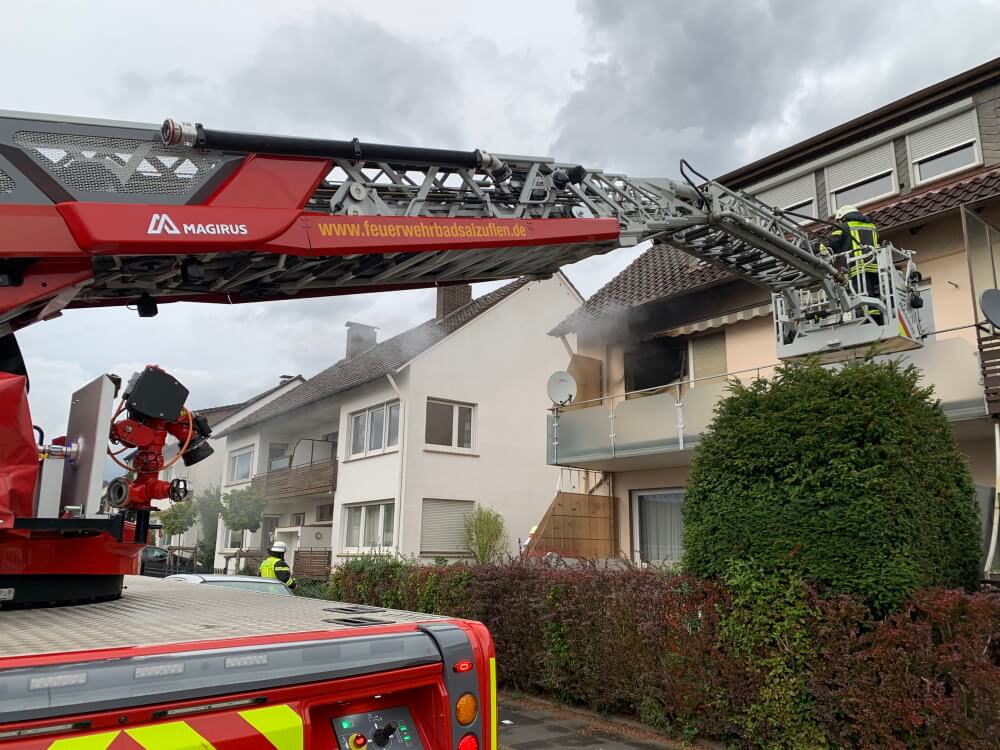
(345, 724)
(406, 738)
(403, 727)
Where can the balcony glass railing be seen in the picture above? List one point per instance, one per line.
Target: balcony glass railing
(671, 418)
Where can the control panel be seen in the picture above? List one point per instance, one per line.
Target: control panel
(386, 728)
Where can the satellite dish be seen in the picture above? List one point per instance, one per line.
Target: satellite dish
(990, 304)
(561, 388)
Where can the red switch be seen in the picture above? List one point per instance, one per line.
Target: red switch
(358, 740)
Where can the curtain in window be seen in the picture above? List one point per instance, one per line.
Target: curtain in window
(660, 526)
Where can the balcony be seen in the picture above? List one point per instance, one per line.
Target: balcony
(311, 469)
(658, 427)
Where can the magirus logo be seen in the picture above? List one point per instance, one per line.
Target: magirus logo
(163, 224)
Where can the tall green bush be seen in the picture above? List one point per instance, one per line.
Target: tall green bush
(849, 476)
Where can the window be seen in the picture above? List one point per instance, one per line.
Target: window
(375, 430)
(298, 519)
(277, 456)
(449, 424)
(369, 526)
(798, 195)
(234, 539)
(863, 178)
(442, 526)
(944, 148)
(708, 356)
(659, 527)
(865, 191)
(649, 364)
(324, 513)
(240, 465)
(806, 208)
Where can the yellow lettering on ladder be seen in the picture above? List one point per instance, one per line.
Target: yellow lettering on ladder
(176, 735)
(280, 724)
(99, 741)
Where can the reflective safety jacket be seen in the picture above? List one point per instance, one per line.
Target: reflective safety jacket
(855, 233)
(276, 567)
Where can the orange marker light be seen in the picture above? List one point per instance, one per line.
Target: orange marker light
(466, 709)
(463, 666)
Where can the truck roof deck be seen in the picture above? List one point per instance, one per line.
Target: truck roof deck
(156, 612)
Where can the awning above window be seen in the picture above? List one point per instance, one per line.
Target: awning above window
(698, 326)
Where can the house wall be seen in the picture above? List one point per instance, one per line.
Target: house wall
(367, 478)
(500, 363)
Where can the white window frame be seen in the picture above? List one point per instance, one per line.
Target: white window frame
(915, 163)
(454, 447)
(230, 464)
(229, 536)
(366, 508)
(832, 193)
(297, 516)
(634, 507)
(351, 455)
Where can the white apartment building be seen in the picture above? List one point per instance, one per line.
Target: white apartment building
(390, 448)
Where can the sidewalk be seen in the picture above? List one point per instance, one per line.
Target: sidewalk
(527, 723)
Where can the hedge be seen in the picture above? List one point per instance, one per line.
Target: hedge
(850, 476)
(758, 659)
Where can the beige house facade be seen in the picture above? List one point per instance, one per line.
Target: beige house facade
(657, 346)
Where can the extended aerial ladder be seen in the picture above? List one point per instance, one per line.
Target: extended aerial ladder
(97, 213)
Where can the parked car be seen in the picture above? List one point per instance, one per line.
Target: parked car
(158, 562)
(248, 583)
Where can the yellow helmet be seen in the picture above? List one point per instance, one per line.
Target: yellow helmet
(844, 210)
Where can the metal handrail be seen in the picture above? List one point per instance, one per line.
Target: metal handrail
(660, 388)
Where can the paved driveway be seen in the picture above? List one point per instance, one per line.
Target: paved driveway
(530, 724)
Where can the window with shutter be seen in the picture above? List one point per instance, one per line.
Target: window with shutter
(863, 178)
(442, 526)
(945, 147)
(796, 195)
(708, 357)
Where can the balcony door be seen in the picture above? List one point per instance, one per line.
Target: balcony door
(657, 525)
(267, 526)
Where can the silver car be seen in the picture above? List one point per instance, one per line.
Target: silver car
(248, 583)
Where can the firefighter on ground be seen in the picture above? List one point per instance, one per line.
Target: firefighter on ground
(856, 234)
(276, 567)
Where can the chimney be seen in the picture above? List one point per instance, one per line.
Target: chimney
(451, 298)
(360, 338)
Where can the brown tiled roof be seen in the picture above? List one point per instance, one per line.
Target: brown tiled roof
(216, 414)
(663, 271)
(377, 362)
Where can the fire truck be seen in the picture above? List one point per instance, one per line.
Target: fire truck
(96, 213)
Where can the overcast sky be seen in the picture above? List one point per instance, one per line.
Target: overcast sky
(629, 86)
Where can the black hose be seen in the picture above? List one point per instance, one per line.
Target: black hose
(355, 150)
(685, 166)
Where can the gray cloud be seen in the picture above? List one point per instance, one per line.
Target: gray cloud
(722, 83)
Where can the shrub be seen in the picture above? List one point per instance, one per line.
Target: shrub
(485, 534)
(849, 476)
(758, 659)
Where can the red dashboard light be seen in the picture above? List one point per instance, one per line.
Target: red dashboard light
(358, 740)
(469, 742)
(463, 666)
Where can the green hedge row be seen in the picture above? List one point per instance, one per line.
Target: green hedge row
(758, 659)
